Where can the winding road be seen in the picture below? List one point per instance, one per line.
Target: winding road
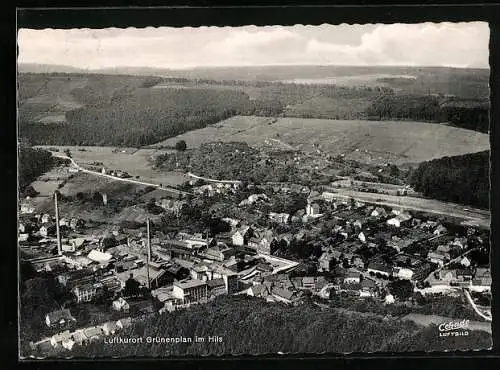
(132, 181)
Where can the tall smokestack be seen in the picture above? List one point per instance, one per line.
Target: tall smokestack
(149, 252)
(59, 249)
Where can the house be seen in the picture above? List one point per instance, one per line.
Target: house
(216, 287)
(49, 229)
(464, 274)
(438, 258)
(93, 333)
(120, 305)
(220, 252)
(100, 257)
(324, 262)
(68, 248)
(328, 197)
(379, 268)
(57, 339)
(285, 296)
(78, 337)
(264, 242)
(124, 323)
(240, 237)
(76, 223)
(358, 262)
(440, 230)
(279, 217)
(63, 222)
(379, 212)
(171, 205)
(190, 291)
(109, 328)
(460, 243)
(45, 218)
(399, 220)
(362, 237)
(482, 280)
(389, 299)
(465, 262)
(447, 275)
(26, 207)
(86, 292)
(403, 273)
(259, 291)
(352, 277)
(59, 318)
(312, 209)
(309, 282)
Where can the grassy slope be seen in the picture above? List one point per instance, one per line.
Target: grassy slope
(398, 142)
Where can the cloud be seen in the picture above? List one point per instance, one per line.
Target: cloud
(427, 44)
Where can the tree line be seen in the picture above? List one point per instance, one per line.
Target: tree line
(461, 179)
(250, 326)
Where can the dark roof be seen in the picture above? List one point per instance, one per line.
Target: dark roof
(58, 315)
(380, 267)
(215, 283)
(284, 293)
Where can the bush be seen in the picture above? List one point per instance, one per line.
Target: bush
(181, 145)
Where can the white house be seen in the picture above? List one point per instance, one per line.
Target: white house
(312, 209)
(378, 212)
(279, 217)
(27, 208)
(120, 305)
(57, 339)
(403, 273)
(352, 277)
(362, 237)
(328, 197)
(439, 230)
(389, 299)
(399, 220)
(465, 262)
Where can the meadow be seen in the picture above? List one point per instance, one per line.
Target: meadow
(137, 162)
(371, 142)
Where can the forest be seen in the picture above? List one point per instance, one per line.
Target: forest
(461, 179)
(135, 111)
(248, 325)
(472, 115)
(32, 163)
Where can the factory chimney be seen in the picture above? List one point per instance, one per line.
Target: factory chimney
(59, 248)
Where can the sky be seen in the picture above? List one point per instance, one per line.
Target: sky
(425, 44)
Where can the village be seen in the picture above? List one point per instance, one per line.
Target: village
(325, 247)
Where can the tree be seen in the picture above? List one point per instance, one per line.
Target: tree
(68, 153)
(181, 145)
(30, 191)
(402, 289)
(132, 287)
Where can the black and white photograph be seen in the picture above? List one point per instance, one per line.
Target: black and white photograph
(253, 190)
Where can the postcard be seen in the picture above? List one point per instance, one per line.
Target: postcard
(253, 190)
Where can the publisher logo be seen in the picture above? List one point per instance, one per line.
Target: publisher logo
(454, 328)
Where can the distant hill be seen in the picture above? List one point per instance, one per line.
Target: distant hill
(47, 68)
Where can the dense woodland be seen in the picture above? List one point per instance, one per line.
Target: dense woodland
(32, 163)
(472, 115)
(141, 110)
(461, 179)
(249, 325)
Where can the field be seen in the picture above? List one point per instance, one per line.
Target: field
(372, 142)
(137, 162)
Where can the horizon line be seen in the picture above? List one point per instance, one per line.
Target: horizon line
(254, 66)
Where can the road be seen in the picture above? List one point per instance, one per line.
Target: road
(474, 306)
(473, 217)
(131, 181)
(213, 180)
